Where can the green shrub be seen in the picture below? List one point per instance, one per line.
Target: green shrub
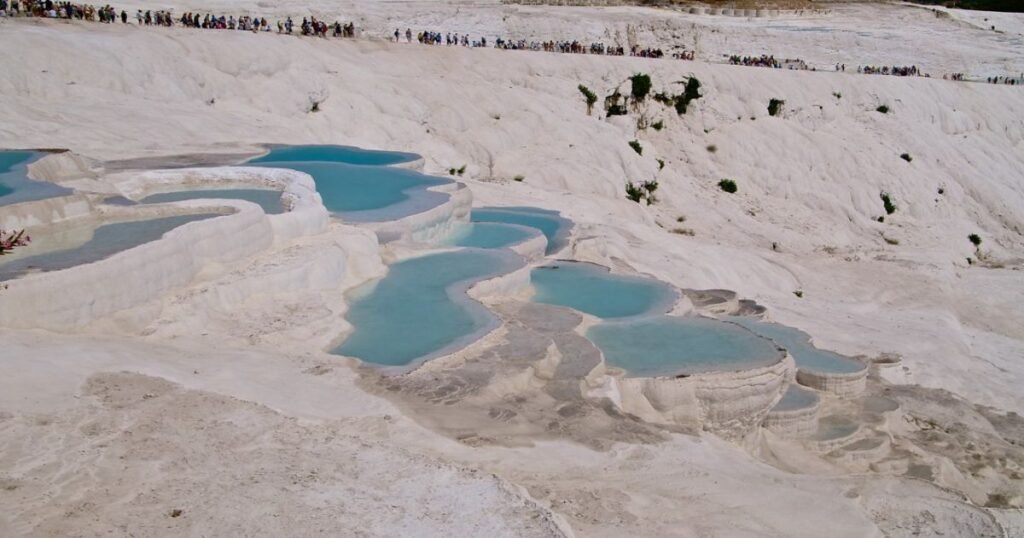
(884, 109)
(661, 164)
(891, 241)
(712, 148)
(635, 144)
(837, 95)
(461, 170)
(728, 186)
(692, 90)
(683, 231)
(880, 219)
(906, 157)
(682, 101)
(640, 86)
(799, 293)
(519, 178)
(681, 218)
(635, 192)
(589, 96)
(650, 187)
(658, 125)
(451, 171)
(614, 106)
(642, 191)
(887, 202)
(975, 240)
(775, 106)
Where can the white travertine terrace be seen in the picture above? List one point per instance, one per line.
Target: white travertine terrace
(730, 404)
(844, 385)
(429, 226)
(80, 295)
(793, 422)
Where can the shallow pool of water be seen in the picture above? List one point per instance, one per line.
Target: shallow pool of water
(796, 397)
(835, 427)
(106, 240)
(363, 193)
(596, 291)
(672, 346)
(269, 200)
(489, 235)
(15, 185)
(420, 308)
(340, 154)
(554, 227)
(798, 343)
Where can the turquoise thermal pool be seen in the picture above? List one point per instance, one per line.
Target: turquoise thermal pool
(596, 291)
(15, 185)
(339, 154)
(106, 241)
(795, 398)
(490, 235)
(357, 185)
(420, 308)
(269, 200)
(671, 346)
(798, 343)
(554, 227)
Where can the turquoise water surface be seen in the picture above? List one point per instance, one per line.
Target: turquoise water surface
(798, 343)
(356, 185)
(795, 398)
(15, 185)
(340, 154)
(672, 346)
(490, 235)
(106, 241)
(554, 227)
(420, 308)
(269, 200)
(593, 289)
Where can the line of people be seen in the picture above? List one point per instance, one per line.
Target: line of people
(60, 10)
(769, 61)
(314, 27)
(1012, 81)
(896, 70)
(566, 47)
(107, 14)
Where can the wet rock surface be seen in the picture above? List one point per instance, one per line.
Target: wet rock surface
(527, 383)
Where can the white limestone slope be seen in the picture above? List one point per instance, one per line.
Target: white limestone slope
(809, 183)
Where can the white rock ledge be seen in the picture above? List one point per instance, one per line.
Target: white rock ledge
(79, 295)
(730, 404)
(304, 209)
(843, 385)
(430, 226)
(794, 423)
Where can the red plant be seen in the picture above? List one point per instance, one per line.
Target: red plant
(10, 240)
